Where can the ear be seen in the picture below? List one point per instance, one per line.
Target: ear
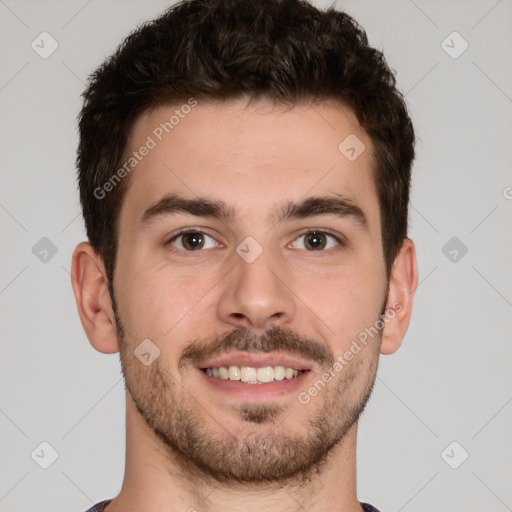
(90, 286)
(402, 285)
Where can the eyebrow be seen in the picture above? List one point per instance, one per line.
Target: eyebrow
(338, 205)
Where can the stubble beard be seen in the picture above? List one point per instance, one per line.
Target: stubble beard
(262, 450)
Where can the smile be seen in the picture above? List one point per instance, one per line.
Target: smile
(252, 375)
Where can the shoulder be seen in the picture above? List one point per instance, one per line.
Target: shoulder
(369, 508)
(99, 507)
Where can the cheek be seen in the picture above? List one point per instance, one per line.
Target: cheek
(157, 300)
(348, 303)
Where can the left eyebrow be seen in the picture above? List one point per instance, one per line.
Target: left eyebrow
(339, 205)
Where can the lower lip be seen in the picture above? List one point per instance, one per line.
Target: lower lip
(256, 392)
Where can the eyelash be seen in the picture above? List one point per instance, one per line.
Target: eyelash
(186, 231)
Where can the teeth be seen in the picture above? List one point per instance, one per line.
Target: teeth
(265, 374)
(278, 372)
(253, 375)
(234, 373)
(248, 374)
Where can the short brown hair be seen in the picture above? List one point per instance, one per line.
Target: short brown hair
(285, 50)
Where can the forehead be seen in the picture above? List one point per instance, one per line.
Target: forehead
(249, 156)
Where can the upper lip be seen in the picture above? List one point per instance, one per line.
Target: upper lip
(256, 360)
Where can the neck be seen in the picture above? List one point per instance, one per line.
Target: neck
(157, 479)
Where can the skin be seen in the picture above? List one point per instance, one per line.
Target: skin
(253, 157)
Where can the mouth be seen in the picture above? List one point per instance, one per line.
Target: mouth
(253, 377)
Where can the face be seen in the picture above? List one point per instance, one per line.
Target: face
(249, 260)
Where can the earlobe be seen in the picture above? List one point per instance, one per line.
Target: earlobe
(90, 286)
(402, 285)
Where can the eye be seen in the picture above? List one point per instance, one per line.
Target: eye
(192, 240)
(315, 240)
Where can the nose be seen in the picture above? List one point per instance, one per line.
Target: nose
(257, 295)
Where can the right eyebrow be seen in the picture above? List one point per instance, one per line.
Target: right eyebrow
(200, 207)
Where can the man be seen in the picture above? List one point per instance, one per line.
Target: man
(244, 173)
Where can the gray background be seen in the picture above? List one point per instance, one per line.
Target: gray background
(451, 379)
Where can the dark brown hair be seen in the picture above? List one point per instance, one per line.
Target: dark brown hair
(284, 50)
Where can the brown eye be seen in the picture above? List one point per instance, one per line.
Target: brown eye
(317, 241)
(192, 241)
